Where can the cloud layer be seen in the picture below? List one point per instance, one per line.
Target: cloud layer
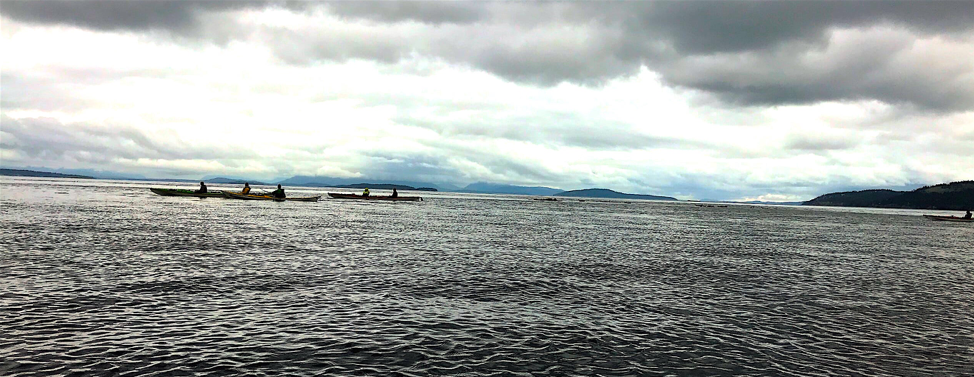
(726, 99)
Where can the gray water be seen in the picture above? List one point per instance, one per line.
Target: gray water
(106, 278)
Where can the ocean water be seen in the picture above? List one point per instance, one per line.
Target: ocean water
(106, 278)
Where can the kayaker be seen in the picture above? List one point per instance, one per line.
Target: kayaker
(395, 194)
(366, 192)
(968, 215)
(246, 189)
(279, 193)
(202, 189)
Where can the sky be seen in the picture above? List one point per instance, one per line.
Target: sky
(768, 100)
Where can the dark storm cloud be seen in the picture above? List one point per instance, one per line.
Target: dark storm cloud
(878, 66)
(743, 52)
(547, 61)
(108, 15)
(746, 53)
(436, 12)
(704, 27)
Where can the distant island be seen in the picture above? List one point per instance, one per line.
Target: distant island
(42, 174)
(947, 196)
(233, 181)
(315, 181)
(606, 193)
(494, 188)
(385, 186)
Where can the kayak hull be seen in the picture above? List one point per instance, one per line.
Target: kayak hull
(183, 192)
(948, 218)
(338, 195)
(233, 195)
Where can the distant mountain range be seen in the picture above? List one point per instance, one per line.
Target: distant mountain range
(494, 188)
(948, 196)
(32, 173)
(312, 181)
(233, 181)
(606, 193)
(383, 186)
(99, 174)
(356, 183)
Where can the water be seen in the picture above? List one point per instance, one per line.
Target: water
(105, 278)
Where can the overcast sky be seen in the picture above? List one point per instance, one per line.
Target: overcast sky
(698, 100)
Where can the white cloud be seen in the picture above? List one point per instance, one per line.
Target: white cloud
(445, 102)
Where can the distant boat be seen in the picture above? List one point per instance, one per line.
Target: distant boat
(546, 199)
(184, 192)
(338, 195)
(233, 195)
(948, 218)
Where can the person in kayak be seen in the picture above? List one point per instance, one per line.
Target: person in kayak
(246, 189)
(395, 194)
(202, 189)
(366, 192)
(968, 215)
(279, 193)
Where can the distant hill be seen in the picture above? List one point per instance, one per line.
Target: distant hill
(313, 181)
(864, 198)
(947, 196)
(43, 174)
(384, 186)
(494, 188)
(100, 174)
(606, 193)
(233, 181)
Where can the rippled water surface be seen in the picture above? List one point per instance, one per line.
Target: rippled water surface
(106, 278)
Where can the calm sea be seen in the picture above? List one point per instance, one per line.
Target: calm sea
(106, 278)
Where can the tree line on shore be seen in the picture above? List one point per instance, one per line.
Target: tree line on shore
(946, 196)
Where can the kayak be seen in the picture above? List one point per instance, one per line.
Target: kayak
(948, 218)
(234, 195)
(338, 195)
(184, 192)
